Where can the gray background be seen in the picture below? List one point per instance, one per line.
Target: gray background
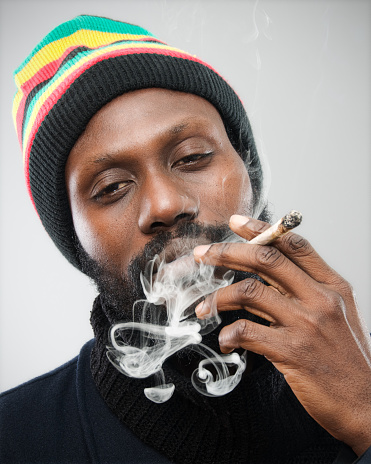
(302, 69)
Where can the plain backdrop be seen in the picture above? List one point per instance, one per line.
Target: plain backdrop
(302, 69)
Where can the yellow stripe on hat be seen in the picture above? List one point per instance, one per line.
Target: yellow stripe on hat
(54, 50)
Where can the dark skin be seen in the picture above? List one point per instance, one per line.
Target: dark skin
(152, 158)
(146, 161)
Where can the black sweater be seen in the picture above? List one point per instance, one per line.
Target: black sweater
(61, 418)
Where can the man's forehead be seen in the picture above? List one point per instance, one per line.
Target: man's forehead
(144, 114)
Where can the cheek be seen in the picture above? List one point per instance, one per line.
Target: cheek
(105, 236)
(229, 193)
(237, 192)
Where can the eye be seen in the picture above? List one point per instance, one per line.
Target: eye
(112, 191)
(196, 159)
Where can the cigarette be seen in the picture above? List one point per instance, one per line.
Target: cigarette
(280, 228)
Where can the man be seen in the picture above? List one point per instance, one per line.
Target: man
(133, 148)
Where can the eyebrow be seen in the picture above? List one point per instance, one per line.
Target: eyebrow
(178, 128)
(103, 159)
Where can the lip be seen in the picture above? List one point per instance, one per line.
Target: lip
(177, 257)
(180, 247)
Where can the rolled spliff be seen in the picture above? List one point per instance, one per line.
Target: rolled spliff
(280, 228)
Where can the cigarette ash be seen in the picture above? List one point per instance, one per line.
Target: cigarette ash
(292, 219)
(139, 349)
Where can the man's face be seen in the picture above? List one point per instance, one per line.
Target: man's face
(148, 161)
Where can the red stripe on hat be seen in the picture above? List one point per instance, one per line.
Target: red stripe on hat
(43, 74)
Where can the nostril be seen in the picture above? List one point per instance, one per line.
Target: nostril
(159, 225)
(183, 216)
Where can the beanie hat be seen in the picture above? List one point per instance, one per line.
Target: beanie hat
(72, 73)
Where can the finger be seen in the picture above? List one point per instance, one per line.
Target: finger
(246, 227)
(295, 247)
(252, 337)
(301, 252)
(253, 296)
(273, 266)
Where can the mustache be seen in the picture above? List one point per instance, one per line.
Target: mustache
(119, 290)
(175, 244)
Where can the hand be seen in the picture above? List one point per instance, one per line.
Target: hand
(316, 337)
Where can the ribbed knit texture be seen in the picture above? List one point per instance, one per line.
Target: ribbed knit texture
(261, 421)
(78, 68)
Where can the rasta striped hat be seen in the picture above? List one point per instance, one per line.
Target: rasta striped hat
(72, 73)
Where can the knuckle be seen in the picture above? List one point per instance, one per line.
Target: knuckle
(330, 309)
(334, 303)
(250, 289)
(244, 330)
(224, 251)
(268, 256)
(297, 244)
(345, 289)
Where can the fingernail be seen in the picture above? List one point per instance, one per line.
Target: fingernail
(238, 221)
(224, 349)
(198, 309)
(201, 250)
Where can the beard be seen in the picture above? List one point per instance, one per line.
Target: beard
(122, 295)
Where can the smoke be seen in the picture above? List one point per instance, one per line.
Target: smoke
(139, 348)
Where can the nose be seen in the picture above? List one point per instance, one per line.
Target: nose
(164, 203)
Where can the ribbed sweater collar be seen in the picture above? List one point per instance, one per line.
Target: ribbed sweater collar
(261, 421)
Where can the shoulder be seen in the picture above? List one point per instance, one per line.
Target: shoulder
(41, 416)
(39, 393)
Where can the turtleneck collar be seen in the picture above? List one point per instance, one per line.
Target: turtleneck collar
(260, 421)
